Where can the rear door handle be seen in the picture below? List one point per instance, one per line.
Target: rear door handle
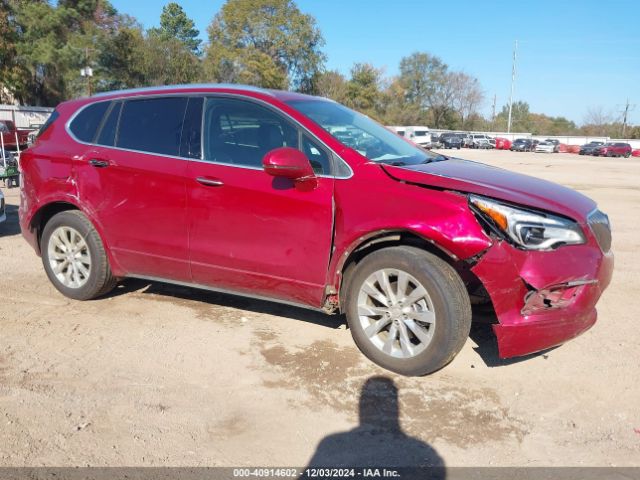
(98, 163)
(209, 182)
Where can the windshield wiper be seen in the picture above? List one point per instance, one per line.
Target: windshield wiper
(395, 163)
(438, 158)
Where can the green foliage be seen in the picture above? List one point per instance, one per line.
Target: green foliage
(523, 120)
(174, 24)
(363, 89)
(267, 43)
(331, 84)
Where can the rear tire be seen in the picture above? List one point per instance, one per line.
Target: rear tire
(74, 257)
(408, 333)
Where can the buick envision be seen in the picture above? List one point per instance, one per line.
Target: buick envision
(300, 200)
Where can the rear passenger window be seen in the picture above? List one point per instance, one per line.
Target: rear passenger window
(85, 124)
(152, 125)
(107, 135)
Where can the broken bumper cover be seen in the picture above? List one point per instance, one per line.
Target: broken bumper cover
(543, 299)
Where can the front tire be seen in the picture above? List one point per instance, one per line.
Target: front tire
(74, 257)
(407, 309)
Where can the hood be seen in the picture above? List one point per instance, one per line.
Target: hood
(472, 177)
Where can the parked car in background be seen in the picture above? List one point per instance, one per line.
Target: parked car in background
(480, 140)
(556, 144)
(467, 141)
(451, 140)
(589, 148)
(546, 147)
(12, 136)
(166, 184)
(613, 150)
(522, 145)
(435, 141)
(503, 143)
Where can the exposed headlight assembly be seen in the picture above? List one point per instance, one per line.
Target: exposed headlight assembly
(526, 228)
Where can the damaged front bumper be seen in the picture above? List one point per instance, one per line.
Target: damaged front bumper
(542, 299)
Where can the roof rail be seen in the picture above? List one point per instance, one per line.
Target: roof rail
(234, 86)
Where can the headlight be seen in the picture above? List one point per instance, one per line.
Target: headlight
(528, 229)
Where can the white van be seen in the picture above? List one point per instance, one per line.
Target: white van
(399, 130)
(419, 135)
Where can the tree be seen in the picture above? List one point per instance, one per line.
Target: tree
(174, 23)
(121, 58)
(10, 72)
(331, 84)
(467, 96)
(166, 61)
(597, 116)
(269, 43)
(520, 117)
(427, 85)
(363, 89)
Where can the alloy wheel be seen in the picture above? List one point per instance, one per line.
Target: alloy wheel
(69, 257)
(396, 313)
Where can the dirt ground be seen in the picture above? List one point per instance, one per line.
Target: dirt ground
(161, 375)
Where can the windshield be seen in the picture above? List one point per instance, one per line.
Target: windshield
(359, 132)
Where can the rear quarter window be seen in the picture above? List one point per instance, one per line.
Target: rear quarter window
(85, 124)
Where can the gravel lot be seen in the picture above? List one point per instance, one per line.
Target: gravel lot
(163, 375)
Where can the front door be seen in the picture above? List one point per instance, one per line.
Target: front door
(249, 231)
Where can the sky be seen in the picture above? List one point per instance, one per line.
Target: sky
(572, 55)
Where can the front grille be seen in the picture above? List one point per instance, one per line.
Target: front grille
(601, 228)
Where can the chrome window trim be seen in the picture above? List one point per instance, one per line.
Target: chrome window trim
(204, 95)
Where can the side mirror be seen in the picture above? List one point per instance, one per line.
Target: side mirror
(289, 163)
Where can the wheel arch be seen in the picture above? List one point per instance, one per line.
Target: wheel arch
(48, 210)
(44, 214)
(374, 241)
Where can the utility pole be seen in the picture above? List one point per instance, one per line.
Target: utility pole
(625, 115)
(493, 112)
(513, 81)
(87, 71)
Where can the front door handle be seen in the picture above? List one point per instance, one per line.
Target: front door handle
(98, 163)
(209, 182)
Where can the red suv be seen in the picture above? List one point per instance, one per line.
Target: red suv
(613, 150)
(300, 200)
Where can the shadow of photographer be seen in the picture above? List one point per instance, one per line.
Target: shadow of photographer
(378, 441)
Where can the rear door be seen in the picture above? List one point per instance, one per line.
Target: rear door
(131, 175)
(249, 231)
